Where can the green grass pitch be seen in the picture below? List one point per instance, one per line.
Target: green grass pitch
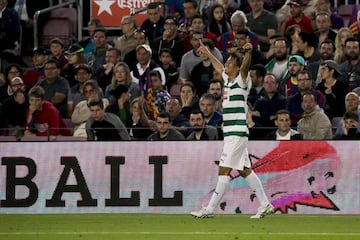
(177, 226)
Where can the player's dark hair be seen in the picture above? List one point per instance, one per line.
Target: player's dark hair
(197, 111)
(217, 81)
(96, 102)
(260, 70)
(164, 115)
(281, 111)
(351, 115)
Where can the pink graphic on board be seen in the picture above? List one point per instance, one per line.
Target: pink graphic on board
(293, 174)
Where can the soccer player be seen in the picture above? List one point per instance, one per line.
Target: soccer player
(237, 84)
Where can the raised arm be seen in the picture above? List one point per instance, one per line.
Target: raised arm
(218, 66)
(245, 66)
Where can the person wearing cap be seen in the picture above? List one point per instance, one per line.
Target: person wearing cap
(76, 95)
(14, 109)
(130, 57)
(304, 84)
(141, 74)
(104, 126)
(56, 87)
(309, 7)
(289, 87)
(57, 51)
(126, 42)
(327, 52)
(297, 17)
(74, 56)
(121, 106)
(154, 24)
(98, 56)
(170, 39)
(33, 75)
(333, 89)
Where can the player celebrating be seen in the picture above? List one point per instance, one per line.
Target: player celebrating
(237, 84)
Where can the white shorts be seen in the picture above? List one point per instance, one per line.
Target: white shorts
(235, 154)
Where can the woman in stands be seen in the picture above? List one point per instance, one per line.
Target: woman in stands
(82, 112)
(121, 75)
(13, 70)
(342, 35)
(74, 56)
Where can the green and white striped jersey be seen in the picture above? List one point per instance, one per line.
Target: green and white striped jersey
(235, 106)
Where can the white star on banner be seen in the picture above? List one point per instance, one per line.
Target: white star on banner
(104, 6)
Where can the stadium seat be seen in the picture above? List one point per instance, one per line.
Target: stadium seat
(8, 56)
(345, 11)
(175, 91)
(62, 24)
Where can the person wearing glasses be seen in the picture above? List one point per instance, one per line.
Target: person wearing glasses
(56, 87)
(126, 42)
(305, 84)
(74, 56)
(279, 63)
(14, 109)
(170, 39)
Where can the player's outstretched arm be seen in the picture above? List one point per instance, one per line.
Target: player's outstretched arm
(245, 66)
(218, 66)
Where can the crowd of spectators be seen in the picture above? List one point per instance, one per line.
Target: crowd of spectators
(151, 83)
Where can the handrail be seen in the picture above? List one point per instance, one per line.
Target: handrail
(49, 9)
(140, 10)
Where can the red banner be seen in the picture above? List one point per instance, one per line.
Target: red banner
(110, 12)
